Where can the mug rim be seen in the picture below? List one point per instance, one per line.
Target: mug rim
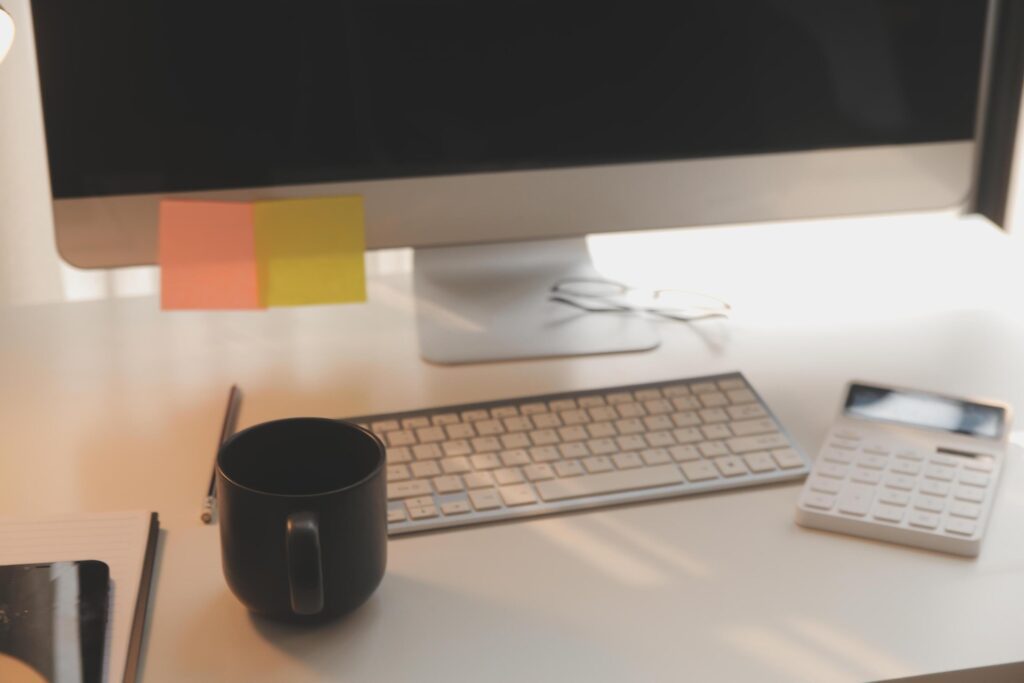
(376, 470)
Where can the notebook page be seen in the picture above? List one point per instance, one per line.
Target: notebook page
(117, 538)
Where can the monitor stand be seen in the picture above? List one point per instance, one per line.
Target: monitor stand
(490, 302)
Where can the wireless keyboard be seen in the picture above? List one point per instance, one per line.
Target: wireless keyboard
(485, 462)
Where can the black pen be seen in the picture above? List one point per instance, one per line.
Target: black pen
(226, 430)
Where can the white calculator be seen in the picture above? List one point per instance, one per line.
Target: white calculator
(908, 467)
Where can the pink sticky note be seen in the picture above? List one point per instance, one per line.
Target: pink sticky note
(207, 255)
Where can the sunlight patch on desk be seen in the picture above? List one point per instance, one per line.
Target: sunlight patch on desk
(857, 653)
(781, 652)
(604, 556)
(659, 549)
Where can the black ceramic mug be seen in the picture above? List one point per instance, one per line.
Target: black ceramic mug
(303, 517)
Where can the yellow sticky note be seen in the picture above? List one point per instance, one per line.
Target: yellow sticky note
(310, 251)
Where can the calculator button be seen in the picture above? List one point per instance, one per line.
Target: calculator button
(933, 488)
(848, 434)
(971, 494)
(929, 503)
(910, 455)
(838, 456)
(831, 469)
(873, 462)
(888, 513)
(905, 467)
(842, 445)
(925, 520)
(894, 497)
(940, 472)
(821, 501)
(866, 476)
(856, 499)
(876, 449)
(974, 478)
(940, 459)
(961, 509)
(983, 463)
(825, 485)
(900, 481)
(960, 526)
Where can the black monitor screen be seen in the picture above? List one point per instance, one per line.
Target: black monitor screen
(160, 96)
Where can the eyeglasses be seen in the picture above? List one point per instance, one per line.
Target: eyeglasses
(607, 296)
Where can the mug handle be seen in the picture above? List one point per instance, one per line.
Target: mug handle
(305, 568)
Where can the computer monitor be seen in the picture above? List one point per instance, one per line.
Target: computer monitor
(473, 128)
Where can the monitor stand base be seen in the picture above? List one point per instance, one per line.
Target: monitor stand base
(490, 302)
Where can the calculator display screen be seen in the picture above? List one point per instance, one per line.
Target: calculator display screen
(925, 410)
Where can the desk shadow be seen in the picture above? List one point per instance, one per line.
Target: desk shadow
(411, 630)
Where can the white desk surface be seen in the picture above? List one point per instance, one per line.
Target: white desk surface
(115, 405)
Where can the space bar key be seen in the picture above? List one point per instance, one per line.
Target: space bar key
(608, 482)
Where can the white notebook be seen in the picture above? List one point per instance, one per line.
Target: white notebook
(126, 541)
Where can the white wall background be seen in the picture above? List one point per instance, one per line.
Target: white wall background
(31, 272)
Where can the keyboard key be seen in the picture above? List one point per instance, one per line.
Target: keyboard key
(518, 494)
(489, 427)
(485, 444)
(893, 497)
(562, 404)
(602, 446)
(749, 427)
(474, 415)
(730, 466)
(655, 456)
(925, 520)
(415, 422)
(485, 461)
(734, 383)
(427, 451)
(484, 499)
(716, 431)
(683, 403)
(382, 426)
(508, 475)
(426, 468)
(431, 434)
(618, 397)
(714, 399)
(609, 482)
(647, 394)
(453, 448)
(746, 412)
(684, 453)
(703, 387)
(448, 484)
(460, 430)
(634, 425)
(598, 430)
(888, 513)
(408, 489)
(627, 461)
(657, 423)
(688, 419)
(568, 468)
(396, 515)
(713, 415)
(961, 527)
(539, 472)
(699, 470)
(574, 433)
(597, 464)
(517, 424)
(659, 439)
(761, 442)
(478, 480)
(673, 390)
(687, 435)
(517, 440)
(630, 410)
(398, 456)
(590, 401)
(546, 421)
(502, 412)
(424, 512)
(632, 443)
(820, 501)
(457, 507)
(445, 419)
(573, 450)
(402, 437)
(397, 472)
(961, 509)
(760, 461)
(658, 406)
(856, 499)
(713, 449)
(515, 458)
(741, 396)
(602, 414)
(534, 408)
(456, 465)
(787, 458)
(544, 454)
